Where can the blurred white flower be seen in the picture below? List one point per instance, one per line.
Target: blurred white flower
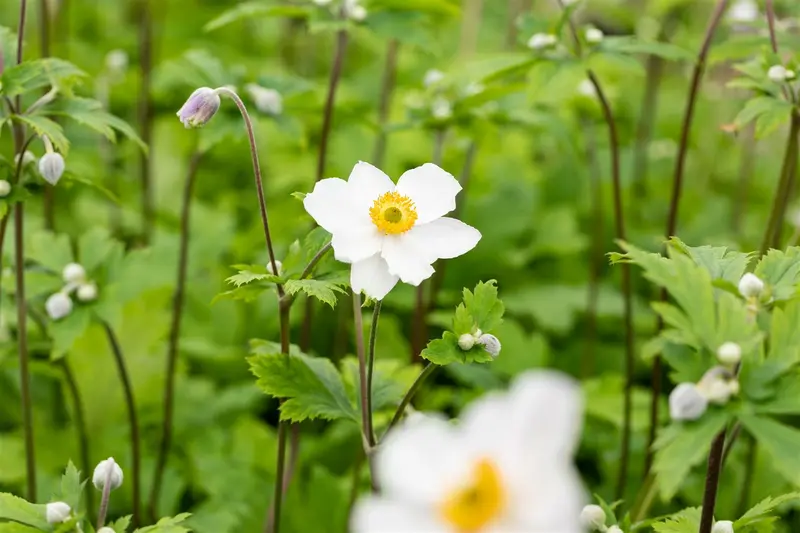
(27, 158)
(200, 107)
(490, 343)
(87, 292)
(729, 353)
(105, 529)
(5, 188)
(322, 2)
(354, 10)
(686, 402)
(614, 529)
(57, 512)
(506, 468)
(722, 526)
(73, 273)
(717, 385)
(593, 517)
(108, 469)
(466, 341)
(117, 61)
(432, 77)
(51, 167)
(278, 265)
(539, 41)
(586, 88)
(779, 73)
(58, 305)
(743, 11)
(594, 35)
(267, 101)
(441, 108)
(473, 88)
(750, 286)
(391, 232)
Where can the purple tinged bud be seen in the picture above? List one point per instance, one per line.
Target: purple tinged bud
(201, 107)
(490, 343)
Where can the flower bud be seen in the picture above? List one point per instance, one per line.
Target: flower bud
(5, 188)
(105, 529)
(594, 35)
(441, 108)
(540, 41)
(686, 402)
(117, 61)
(268, 101)
(715, 385)
(722, 526)
(593, 517)
(73, 273)
(51, 167)
(278, 265)
(743, 11)
(432, 77)
(614, 529)
(586, 88)
(780, 74)
(466, 342)
(750, 286)
(729, 354)
(58, 305)
(87, 292)
(354, 10)
(490, 343)
(27, 158)
(57, 512)
(322, 2)
(101, 472)
(201, 107)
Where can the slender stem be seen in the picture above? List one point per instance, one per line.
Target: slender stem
(81, 428)
(644, 128)
(470, 27)
(327, 116)
(784, 186)
(373, 335)
(106, 496)
(314, 260)
(44, 40)
(429, 369)
(749, 471)
(145, 115)
(645, 498)
(174, 335)
(712, 481)
(23, 9)
(387, 88)
(262, 204)
(788, 93)
(127, 389)
(366, 419)
(746, 165)
(598, 257)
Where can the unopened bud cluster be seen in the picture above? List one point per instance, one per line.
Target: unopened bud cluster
(490, 343)
(688, 401)
(59, 304)
(780, 74)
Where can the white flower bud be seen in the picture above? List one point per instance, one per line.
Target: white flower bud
(614, 529)
(354, 10)
(27, 158)
(593, 517)
(743, 11)
(432, 77)
(51, 167)
(722, 526)
(117, 61)
(466, 342)
(73, 273)
(586, 88)
(105, 529)
(490, 343)
(441, 109)
(87, 292)
(201, 107)
(473, 89)
(278, 265)
(686, 402)
(715, 385)
(750, 286)
(322, 2)
(101, 472)
(5, 188)
(538, 41)
(594, 35)
(57, 512)
(477, 333)
(729, 354)
(779, 73)
(268, 101)
(58, 305)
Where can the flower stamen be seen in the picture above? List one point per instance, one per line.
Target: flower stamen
(393, 214)
(472, 507)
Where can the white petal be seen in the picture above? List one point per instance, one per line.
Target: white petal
(330, 205)
(432, 189)
(372, 276)
(405, 260)
(357, 243)
(367, 183)
(379, 515)
(444, 238)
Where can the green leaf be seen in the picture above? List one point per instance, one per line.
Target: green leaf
(780, 441)
(484, 306)
(760, 106)
(784, 339)
(93, 248)
(781, 271)
(682, 446)
(44, 126)
(443, 351)
(51, 250)
(719, 261)
(437, 7)
(167, 525)
(250, 273)
(311, 386)
(252, 10)
(762, 509)
(19, 510)
(121, 524)
(782, 396)
(324, 291)
(90, 113)
(686, 521)
(71, 487)
(299, 255)
(16, 527)
(631, 45)
(65, 331)
(40, 73)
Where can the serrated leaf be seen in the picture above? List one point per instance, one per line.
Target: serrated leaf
(90, 113)
(65, 331)
(719, 261)
(781, 271)
(759, 106)
(484, 305)
(311, 386)
(40, 73)
(443, 351)
(783, 397)
(44, 126)
(168, 525)
(631, 45)
(686, 521)
(50, 250)
(251, 10)
(71, 487)
(19, 510)
(93, 247)
(780, 441)
(762, 509)
(121, 524)
(245, 293)
(300, 254)
(322, 290)
(250, 273)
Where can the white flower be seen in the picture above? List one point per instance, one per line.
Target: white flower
(779, 73)
(278, 265)
(473, 88)
(722, 526)
(586, 88)
(117, 61)
(441, 108)
(594, 35)
(51, 167)
(354, 10)
(57, 512)
(58, 305)
(105, 529)
(750, 286)
(322, 2)
(539, 41)
(391, 232)
(103, 470)
(729, 353)
(743, 11)
(593, 517)
(506, 468)
(614, 529)
(490, 343)
(716, 385)
(27, 158)
(432, 77)
(73, 273)
(466, 342)
(686, 402)
(5, 188)
(87, 292)
(267, 101)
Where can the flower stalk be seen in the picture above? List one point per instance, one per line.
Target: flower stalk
(366, 418)
(81, 428)
(145, 115)
(712, 482)
(373, 335)
(429, 369)
(387, 88)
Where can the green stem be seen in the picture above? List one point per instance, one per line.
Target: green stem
(145, 116)
(785, 185)
(712, 482)
(330, 100)
(83, 432)
(387, 88)
(373, 334)
(429, 369)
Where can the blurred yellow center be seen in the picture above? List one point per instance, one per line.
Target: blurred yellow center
(472, 507)
(392, 213)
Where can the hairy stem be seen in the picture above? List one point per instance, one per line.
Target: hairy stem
(81, 428)
(429, 369)
(387, 88)
(330, 100)
(104, 498)
(373, 336)
(712, 481)
(174, 335)
(133, 420)
(145, 115)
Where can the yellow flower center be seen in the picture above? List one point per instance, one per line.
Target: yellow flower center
(472, 507)
(392, 213)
